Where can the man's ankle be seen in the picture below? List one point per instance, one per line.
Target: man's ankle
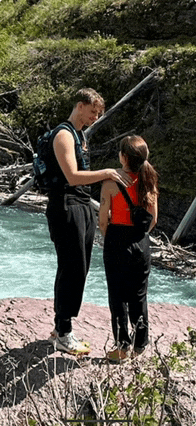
(64, 326)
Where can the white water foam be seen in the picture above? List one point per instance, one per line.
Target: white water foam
(28, 265)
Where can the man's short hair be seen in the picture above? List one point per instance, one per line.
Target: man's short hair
(89, 96)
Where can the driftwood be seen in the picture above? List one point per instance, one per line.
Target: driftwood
(8, 156)
(16, 195)
(11, 145)
(173, 257)
(15, 168)
(10, 140)
(165, 255)
(8, 93)
(12, 177)
(106, 145)
(89, 132)
(118, 137)
(7, 137)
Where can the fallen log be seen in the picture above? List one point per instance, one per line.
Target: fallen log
(92, 129)
(118, 137)
(186, 223)
(12, 145)
(173, 257)
(151, 78)
(10, 200)
(9, 92)
(10, 140)
(16, 168)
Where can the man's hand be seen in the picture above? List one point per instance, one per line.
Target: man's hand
(120, 176)
(126, 177)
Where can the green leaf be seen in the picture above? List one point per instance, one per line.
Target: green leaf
(32, 422)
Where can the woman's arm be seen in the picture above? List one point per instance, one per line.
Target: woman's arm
(153, 209)
(104, 211)
(64, 149)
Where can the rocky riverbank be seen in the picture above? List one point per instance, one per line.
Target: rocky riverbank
(26, 320)
(47, 386)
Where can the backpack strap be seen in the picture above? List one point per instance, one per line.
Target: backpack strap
(140, 216)
(70, 127)
(126, 195)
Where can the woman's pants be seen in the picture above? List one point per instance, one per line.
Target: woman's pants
(127, 266)
(72, 232)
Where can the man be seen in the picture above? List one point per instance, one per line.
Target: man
(71, 218)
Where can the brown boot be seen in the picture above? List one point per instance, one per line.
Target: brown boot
(117, 354)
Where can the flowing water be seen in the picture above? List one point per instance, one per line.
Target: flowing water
(28, 265)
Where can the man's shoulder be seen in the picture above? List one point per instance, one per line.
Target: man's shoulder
(66, 128)
(65, 131)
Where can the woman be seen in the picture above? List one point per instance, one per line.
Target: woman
(126, 248)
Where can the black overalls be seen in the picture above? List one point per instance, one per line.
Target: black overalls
(127, 264)
(72, 224)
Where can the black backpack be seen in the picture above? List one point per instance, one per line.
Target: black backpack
(141, 217)
(44, 178)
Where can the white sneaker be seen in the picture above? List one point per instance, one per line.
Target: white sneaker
(54, 335)
(70, 344)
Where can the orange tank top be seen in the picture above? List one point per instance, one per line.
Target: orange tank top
(120, 211)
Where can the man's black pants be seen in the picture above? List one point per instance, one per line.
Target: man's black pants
(127, 266)
(72, 232)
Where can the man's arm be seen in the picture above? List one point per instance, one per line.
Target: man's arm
(64, 149)
(104, 210)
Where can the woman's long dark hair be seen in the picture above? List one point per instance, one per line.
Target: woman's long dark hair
(135, 150)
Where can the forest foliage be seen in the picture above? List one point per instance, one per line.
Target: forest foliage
(51, 48)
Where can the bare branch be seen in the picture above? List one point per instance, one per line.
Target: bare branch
(8, 93)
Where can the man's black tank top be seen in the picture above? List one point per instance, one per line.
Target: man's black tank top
(61, 187)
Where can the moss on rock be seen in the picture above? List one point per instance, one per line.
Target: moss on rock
(50, 49)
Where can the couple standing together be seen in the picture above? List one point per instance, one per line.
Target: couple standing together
(72, 224)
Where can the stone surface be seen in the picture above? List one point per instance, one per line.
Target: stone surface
(48, 386)
(25, 320)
